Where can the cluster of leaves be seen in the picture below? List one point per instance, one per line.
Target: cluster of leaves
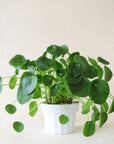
(61, 80)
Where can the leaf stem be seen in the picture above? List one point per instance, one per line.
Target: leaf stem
(14, 101)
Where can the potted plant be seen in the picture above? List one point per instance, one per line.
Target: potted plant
(62, 80)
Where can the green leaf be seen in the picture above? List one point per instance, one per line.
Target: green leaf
(28, 82)
(99, 91)
(92, 61)
(92, 72)
(16, 72)
(45, 54)
(60, 72)
(63, 119)
(103, 61)
(72, 55)
(57, 65)
(47, 80)
(33, 108)
(22, 97)
(11, 109)
(18, 126)
(85, 111)
(95, 117)
(95, 109)
(0, 84)
(108, 73)
(39, 78)
(17, 60)
(54, 90)
(111, 107)
(104, 107)
(12, 82)
(99, 72)
(103, 118)
(37, 93)
(89, 128)
(63, 62)
(80, 89)
(44, 63)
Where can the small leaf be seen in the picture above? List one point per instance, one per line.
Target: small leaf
(95, 116)
(57, 65)
(89, 128)
(63, 62)
(33, 108)
(85, 111)
(0, 84)
(103, 61)
(47, 80)
(99, 91)
(108, 73)
(111, 107)
(44, 63)
(37, 93)
(63, 119)
(104, 107)
(12, 82)
(28, 82)
(17, 60)
(60, 72)
(99, 72)
(54, 90)
(95, 109)
(18, 126)
(92, 61)
(16, 72)
(103, 118)
(11, 109)
(22, 97)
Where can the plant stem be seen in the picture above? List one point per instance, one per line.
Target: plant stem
(14, 101)
(111, 95)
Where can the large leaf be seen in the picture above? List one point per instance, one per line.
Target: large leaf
(33, 108)
(108, 73)
(54, 90)
(17, 60)
(99, 91)
(12, 82)
(63, 119)
(103, 118)
(80, 89)
(11, 109)
(103, 61)
(22, 97)
(0, 84)
(44, 63)
(111, 107)
(47, 80)
(28, 82)
(89, 128)
(56, 51)
(18, 126)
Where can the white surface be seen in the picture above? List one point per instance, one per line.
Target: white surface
(51, 117)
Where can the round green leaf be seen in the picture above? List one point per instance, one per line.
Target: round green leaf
(63, 119)
(92, 72)
(89, 128)
(99, 91)
(18, 126)
(28, 82)
(47, 80)
(0, 84)
(103, 118)
(11, 109)
(37, 93)
(44, 63)
(54, 90)
(12, 82)
(22, 97)
(60, 72)
(103, 61)
(17, 60)
(33, 108)
(108, 73)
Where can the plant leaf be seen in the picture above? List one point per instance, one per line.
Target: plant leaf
(63, 119)
(54, 90)
(37, 93)
(57, 65)
(18, 126)
(111, 107)
(95, 109)
(28, 82)
(47, 80)
(12, 82)
(22, 97)
(0, 84)
(89, 128)
(11, 109)
(33, 108)
(98, 91)
(60, 72)
(95, 117)
(103, 61)
(103, 118)
(17, 60)
(44, 63)
(99, 72)
(104, 107)
(108, 73)
(63, 62)
(92, 61)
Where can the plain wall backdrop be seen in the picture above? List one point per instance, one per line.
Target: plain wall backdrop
(28, 27)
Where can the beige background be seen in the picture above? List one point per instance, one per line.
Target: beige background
(28, 27)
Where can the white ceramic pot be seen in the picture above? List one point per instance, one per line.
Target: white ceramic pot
(51, 117)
